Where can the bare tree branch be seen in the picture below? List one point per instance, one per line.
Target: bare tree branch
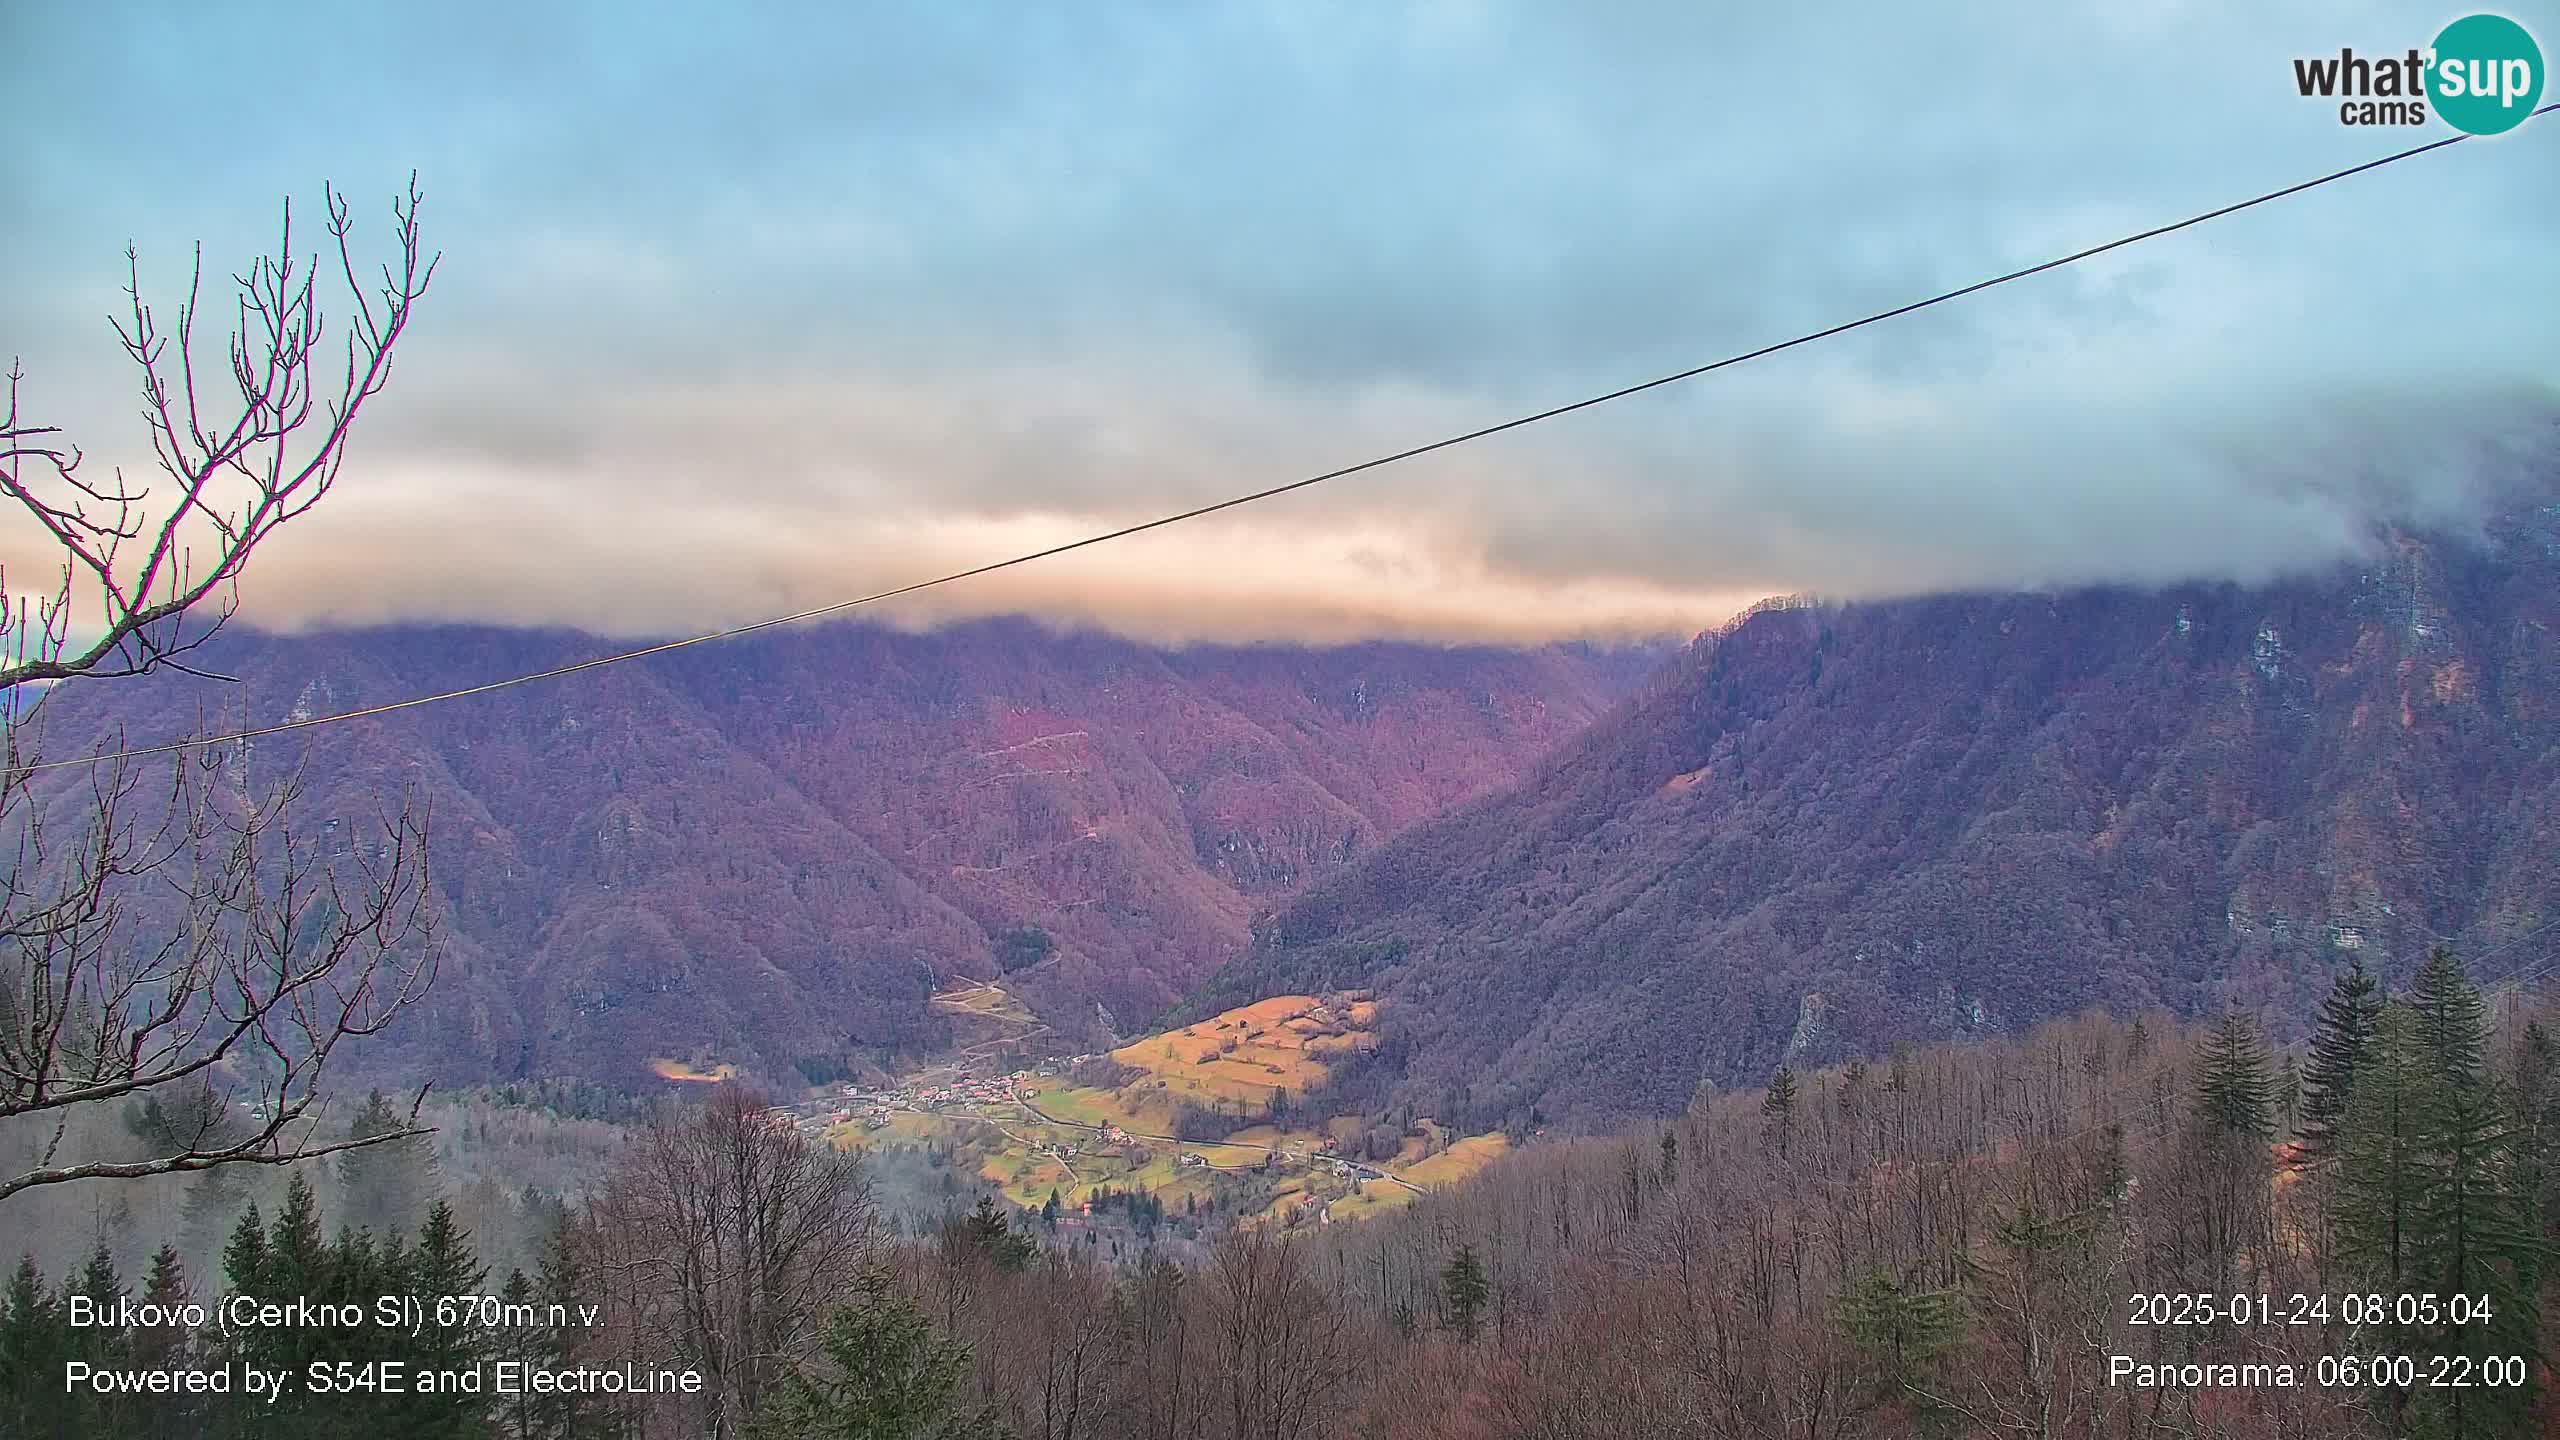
(235, 480)
(167, 930)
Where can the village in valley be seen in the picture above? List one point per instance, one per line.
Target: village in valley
(1192, 1121)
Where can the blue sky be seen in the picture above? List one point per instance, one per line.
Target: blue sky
(749, 307)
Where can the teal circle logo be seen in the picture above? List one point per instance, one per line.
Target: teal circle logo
(2485, 74)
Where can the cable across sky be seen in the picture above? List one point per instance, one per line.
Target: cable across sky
(1272, 492)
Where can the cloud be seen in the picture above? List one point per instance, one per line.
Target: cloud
(747, 310)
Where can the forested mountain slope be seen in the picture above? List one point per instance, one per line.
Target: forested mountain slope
(1834, 828)
(772, 850)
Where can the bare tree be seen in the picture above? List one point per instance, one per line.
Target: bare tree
(720, 1241)
(1279, 1359)
(161, 926)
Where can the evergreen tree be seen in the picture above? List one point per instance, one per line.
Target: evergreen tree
(522, 1344)
(106, 1347)
(2338, 1046)
(2226, 1213)
(557, 1287)
(1899, 1333)
(2452, 1021)
(297, 1253)
(384, 1186)
(1463, 1292)
(167, 1347)
(1778, 1110)
(35, 1339)
(990, 1232)
(2475, 1230)
(439, 1267)
(212, 1203)
(2235, 1095)
(285, 1259)
(244, 1256)
(2379, 1173)
(2537, 1103)
(887, 1376)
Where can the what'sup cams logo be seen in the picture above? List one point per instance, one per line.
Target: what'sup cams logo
(2483, 74)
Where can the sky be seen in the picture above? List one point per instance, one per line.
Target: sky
(749, 308)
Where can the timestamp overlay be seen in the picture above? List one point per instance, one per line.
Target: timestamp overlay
(387, 1346)
(2207, 1342)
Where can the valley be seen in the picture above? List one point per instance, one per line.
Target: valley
(1212, 1117)
(775, 852)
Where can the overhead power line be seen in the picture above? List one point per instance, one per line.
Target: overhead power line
(1272, 492)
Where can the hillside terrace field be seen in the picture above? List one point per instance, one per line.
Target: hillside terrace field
(666, 1068)
(984, 1002)
(1244, 1054)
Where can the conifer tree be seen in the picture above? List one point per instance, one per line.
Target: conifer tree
(1778, 1110)
(244, 1256)
(2475, 1230)
(1463, 1292)
(297, 1253)
(34, 1341)
(886, 1376)
(1899, 1331)
(292, 1259)
(212, 1203)
(990, 1232)
(2379, 1173)
(558, 1286)
(385, 1186)
(442, 1265)
(2225, 1212)
(104, 1346)
(2537, 1102)
(2338, 1046)
(2235, 1094)
(167, 1347)
(2452, 1020)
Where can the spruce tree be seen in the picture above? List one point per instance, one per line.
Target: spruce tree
(297, 1258)
(1778, 1110)
(2379, 1171)
(212, 1203)
(1898, 1332)
(167, 1347)
(293, 1260)
(2338, 1046)
(558, 1284)
(385, 1186)
(246, 1271)
(2235, 1094)
(2228, 1217)
(35, 1339)
(2453, 1021)
(886, 1376)
(107, 1347)
(2476, 1235)
(522, 1344)
(990, 1232)
(244, 1256)
(442, 1266)
(1463, 1292)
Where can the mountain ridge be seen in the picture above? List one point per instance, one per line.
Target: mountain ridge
(1828, 829)
(774, 850)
